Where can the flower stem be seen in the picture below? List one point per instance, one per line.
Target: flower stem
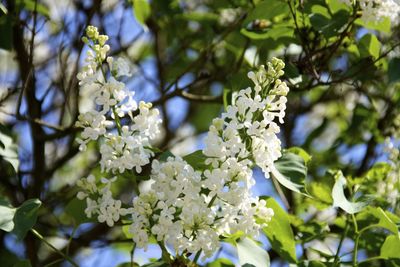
(38, 235)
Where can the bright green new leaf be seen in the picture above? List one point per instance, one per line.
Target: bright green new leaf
(33, 5)
(378, 218)
(221, 262)
(369, 45)
(290, 171)
(340, 200)
(279, 232)
(142, 11)
(252, 254)
(390, 248)
(267, 10)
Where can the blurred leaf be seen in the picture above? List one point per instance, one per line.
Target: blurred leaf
(76, 210)
(300, 152)
(201, 115)
(383, 25)
(390, 248)
(19, 220)
(8, 149)
(25, 217)
(221, 262)
(6, 217)
(273, 33)
(3, 9)
(165, 155)
(328, 25)
(279, 232)
(6, 34)
(128, 264)
(267, 10)
(33, 5)
(393, 71)
(196, 160)
(369, 45)
(290, 171)
(23, 263)
(321, 191)
(377, 217)
(8, 259)
(340, 200)
(251, 253)
(142, 11)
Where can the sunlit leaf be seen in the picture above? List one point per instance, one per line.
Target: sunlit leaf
(290, 171)
(340, 200)
(390, 248)
(141, 10)
(279, 232)
(251, 253)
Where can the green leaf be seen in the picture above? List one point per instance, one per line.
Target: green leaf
(142, 11)
(196, 160)
(23, 263)
(300, 152)
(19, 220)
(125, 230)
(251, 253)
(267, 10)
(76, 210)
(128, 264)
(390, 248)
(393, 70)
(369, 45)
(165, 155)
(274, 33)
(8, 149)
(25, 217)
(279, 232)
(327, 25)
(383, 25)
(6, 217)
(290, 171)
(33, 5)
(377, 217)
(340, 200)
(6, 40)
(221, 262)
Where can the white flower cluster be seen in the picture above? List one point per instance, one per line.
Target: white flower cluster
(189, 209)
(247, 129)
(389, 189)
(99, 200)
(376, 10)
(185, 208)
(128, 148)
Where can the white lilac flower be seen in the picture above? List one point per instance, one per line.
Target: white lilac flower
(389, 188)
(185, 208)
(99, 200)
(129, 149)
(248, 127)
(376, 10)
